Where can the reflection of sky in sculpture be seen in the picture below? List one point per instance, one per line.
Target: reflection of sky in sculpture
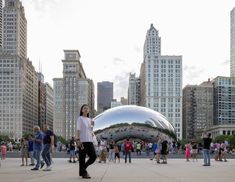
(131, 114)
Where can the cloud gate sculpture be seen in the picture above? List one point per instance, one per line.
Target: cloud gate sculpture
(130, 121)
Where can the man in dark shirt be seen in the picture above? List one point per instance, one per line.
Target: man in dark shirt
(48, 146)
(206, 149)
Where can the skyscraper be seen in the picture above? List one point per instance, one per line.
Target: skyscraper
(71, 92)
(161, 81)
(197, 109)
(18, 78)
(15, 28)
(1, 25)
(134, 90)
(59, 115)
(232, 43)
(104, 95)
(224, 100)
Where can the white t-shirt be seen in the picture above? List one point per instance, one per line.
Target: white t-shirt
(85, 128)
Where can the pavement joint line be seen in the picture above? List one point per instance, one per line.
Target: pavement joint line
(106, 170)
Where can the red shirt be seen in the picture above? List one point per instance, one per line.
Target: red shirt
(128, 146)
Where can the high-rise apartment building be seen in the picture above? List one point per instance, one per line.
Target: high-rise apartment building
(104, 95)
(197, 109)
(14, 28)
(232, 43)
(161, 81)
(134, 90)
(71, 92)
(18, 80)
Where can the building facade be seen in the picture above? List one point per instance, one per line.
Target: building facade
(41, 100)
(232, 43)
(197, 109)
(134, 90)
(18, 80)
(14, 28)
(104, 95)
(59, 116)
(70, 93)
(1, 11)
(161, 81)
(224, 100)
(49, 105)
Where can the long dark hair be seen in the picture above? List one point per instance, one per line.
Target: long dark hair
(81, 113)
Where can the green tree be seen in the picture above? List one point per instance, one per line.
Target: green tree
(4, 138)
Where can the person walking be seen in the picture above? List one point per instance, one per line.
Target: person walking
(86, 147)
(30, 150)
(37, 147)
(72, 150)
(48, 146)
(24, 151)
(206, 149)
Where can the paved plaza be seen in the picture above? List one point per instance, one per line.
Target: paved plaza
(140, 170)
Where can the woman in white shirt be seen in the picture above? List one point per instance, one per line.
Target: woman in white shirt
(85, 138)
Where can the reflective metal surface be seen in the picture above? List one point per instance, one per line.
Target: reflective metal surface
(132, 121)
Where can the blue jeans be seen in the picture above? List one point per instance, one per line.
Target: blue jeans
(207, 157)
(46, 154)
(129, 154)
(37, 157)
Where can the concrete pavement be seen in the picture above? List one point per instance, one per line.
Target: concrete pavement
(140, 170)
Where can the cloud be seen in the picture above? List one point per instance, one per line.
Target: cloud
(137, 49)
(118, 61)
(226, 62)
(121, 84)
(192, 72)
(42, 5)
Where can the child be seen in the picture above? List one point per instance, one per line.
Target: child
(3, 151)
(187, 151)
(116, 152)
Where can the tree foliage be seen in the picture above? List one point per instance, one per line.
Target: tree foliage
(4, 138)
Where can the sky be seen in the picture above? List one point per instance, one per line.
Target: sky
(110, 34)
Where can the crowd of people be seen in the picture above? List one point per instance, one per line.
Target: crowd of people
(40, 146)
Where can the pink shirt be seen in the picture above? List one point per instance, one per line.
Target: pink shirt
(3, 149)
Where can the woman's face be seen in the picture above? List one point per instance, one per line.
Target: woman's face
(85, 110)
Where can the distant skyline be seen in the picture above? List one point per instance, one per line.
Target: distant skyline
(110, 36)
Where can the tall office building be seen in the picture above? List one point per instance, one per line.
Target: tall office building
(197, 109)
(232, 43)
(59, 114)
(49, 105)
(161, 81)
(104, 95)
(1, 25)
(41, 100)
(223, 106)
(134, 90)
(224, 100)
(18, 80)
(14, 28)
(71, 92)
